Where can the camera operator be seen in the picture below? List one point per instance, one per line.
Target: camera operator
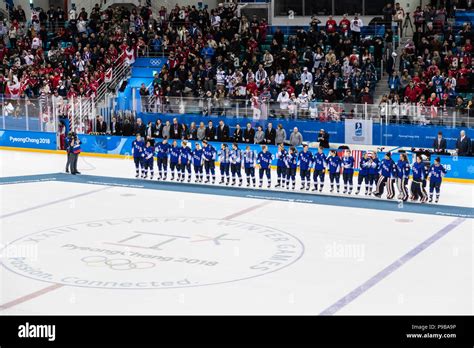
(74, 149)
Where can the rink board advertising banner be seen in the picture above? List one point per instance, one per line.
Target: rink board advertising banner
(34, 140)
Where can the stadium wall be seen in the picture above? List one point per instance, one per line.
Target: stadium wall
(460, 169)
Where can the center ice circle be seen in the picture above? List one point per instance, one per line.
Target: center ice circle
(153, 253)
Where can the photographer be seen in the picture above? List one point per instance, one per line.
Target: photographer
(74, 149)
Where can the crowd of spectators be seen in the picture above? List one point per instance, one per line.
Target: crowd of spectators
(434, 71)
(59, 55)
(219, 54)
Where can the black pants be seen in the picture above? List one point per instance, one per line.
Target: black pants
(304, 174)
(185, 167)
(348, 180)
(361, 179)
(138, 162)
(334, 177)
(265, 171)
(318, 174)
(173, 166)
(162, 164)
(198, 169)
(235, 169)
(281, 172)
(250, 172)
(210, 167)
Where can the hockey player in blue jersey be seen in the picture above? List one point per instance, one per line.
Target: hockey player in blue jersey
(209, 156)
(334, 166)
(388, 172)
(319, 164)
(236, 164)
(305, 158)
(197, 159)
(347, 171)
(437, 82)
(281, 166)
(264, 160)
(373, 172)
(364, 166)
(138, 148)
(224, 164)
(162, 152)
(436, 173)
(291, 162)
(249, 158)
(148, 160)
(174, 158)
(184, 162)
(418, 170)
(403, 173)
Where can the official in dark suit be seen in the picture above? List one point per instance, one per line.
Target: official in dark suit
(439, 144)
(223, 132)
(238, 134)
(150, 130)
(101, 125)
(270, 135)
(210, 132)
(463, 145)
(323, 138)
(139, 128)
(115, 127)
(249, 134)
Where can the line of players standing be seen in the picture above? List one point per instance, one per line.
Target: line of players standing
(372, 171)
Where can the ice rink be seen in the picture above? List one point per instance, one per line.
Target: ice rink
(104, 243)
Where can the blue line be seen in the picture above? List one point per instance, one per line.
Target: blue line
(287, 196)
(354, 294)
(51, 203)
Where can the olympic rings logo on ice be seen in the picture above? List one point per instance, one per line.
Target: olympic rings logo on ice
(125, 253)
(116, 264)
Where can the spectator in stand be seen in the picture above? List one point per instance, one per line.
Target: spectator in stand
(150, 130)
(144, 95)
(356, 27)
(192, 131)
(463, 144)
(296, 139)
(439, 144)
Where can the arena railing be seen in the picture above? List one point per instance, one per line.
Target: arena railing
(320, 111)
(49, 113)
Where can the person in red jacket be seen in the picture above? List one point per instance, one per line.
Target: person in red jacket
(345, 25)
(331, 25)
(412, 92)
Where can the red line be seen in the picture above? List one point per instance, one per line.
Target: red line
(30, 296)
(246, 210)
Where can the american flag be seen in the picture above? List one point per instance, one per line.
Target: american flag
(357, 154)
